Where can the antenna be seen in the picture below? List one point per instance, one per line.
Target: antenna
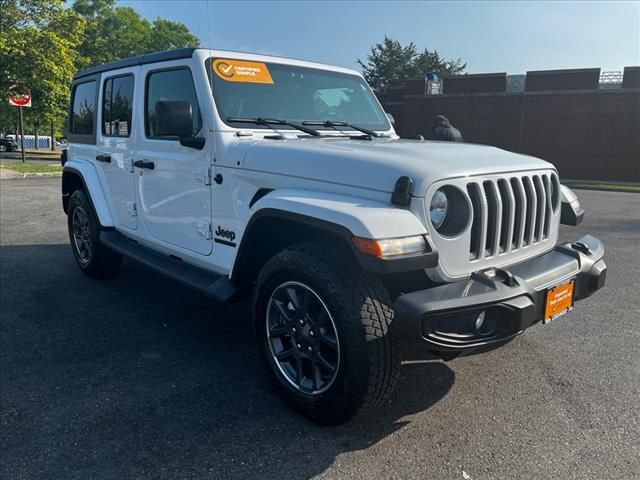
(209, 28)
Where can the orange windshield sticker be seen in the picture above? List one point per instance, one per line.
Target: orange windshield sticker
(241, 71)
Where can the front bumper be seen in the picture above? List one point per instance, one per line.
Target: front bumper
(512, 298)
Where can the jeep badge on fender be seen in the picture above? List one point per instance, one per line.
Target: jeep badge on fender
(352, 239)
(228, 234)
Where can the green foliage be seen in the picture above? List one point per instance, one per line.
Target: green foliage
(115, 32)
(167, 35)
(43, 43)
(390, 63)
(38, 49)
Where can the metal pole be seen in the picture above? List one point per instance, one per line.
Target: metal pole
(53, 140)
(21, 133)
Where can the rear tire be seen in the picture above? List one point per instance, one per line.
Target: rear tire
(93, 258)
(292, 290)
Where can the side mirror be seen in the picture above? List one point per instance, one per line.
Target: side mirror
(391, 119)
(174, 119)
(193, 142)
(570, 211)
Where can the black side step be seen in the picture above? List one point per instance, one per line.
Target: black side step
(215, 286)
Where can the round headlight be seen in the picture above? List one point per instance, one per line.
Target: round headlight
(438, 208)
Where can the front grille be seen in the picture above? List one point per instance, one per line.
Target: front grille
(510, 213)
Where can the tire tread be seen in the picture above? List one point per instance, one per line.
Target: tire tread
(364, 293)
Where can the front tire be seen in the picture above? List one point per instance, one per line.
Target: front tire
(93, 258)
(325, 331)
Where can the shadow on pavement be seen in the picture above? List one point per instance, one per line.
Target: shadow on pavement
(139, 377)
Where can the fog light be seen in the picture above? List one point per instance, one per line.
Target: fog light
(480, 321)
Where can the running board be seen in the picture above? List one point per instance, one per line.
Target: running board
(215, 286)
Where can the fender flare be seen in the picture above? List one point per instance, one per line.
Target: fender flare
(362, 217)
(343, 217)
(88, 175)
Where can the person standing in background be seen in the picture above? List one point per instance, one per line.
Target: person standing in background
(444, 131)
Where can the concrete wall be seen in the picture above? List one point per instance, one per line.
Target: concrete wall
(631, 77)
(550, 80)
(587, 134)
(481, 83)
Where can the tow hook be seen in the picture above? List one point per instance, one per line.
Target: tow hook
(507, 277)
(581, 247)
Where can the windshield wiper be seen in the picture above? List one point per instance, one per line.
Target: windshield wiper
(269, 122)
(335, 123)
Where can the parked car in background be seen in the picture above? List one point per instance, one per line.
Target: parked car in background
(8, 145)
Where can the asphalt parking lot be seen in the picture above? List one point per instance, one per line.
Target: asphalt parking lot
(139, 377)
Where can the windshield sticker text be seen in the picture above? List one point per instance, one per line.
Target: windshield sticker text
(241, 71)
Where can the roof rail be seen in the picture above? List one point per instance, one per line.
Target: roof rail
(139, 60)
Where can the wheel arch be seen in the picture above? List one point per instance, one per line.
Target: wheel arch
(286, 217)
(82, 175)
(270, 231)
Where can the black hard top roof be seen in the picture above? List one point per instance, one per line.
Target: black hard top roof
(139, 60)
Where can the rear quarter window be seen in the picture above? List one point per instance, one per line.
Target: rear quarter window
(117, 106)
(83, 109)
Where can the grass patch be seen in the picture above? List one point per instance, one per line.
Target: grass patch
(31, 167)
(609, 186)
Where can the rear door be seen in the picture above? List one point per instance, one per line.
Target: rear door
(116, 143)
(172, 181)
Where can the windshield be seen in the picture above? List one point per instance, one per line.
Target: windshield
(245, 89)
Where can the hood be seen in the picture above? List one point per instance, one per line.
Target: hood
(377, 164)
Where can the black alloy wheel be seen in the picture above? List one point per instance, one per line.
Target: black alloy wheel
(302, 337)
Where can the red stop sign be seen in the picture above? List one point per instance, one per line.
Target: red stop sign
(20, 100)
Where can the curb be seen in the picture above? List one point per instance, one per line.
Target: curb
(20, 176)
(45, 175)
(604, 189)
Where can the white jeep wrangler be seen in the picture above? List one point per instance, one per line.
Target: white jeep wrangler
(234, 172)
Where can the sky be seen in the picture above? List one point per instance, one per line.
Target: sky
(492, 36)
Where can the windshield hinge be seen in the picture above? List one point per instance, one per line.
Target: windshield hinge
(204, 175)
(204, 229)
(131, 208)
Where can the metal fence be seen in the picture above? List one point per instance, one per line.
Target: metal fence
(611, 79)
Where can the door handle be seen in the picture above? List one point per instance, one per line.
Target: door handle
(144, 164)
(103, 158)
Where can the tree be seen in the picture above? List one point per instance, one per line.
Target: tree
(389, 63)
(115, 32)
(167, 35)
(38, 49)
(43, 43)
(431, 62)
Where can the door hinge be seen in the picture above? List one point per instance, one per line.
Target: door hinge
(204, 229)
(204, 176)
(129, 164)
(131, 208)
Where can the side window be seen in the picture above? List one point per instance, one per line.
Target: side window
(117, 106)
(171, 105)
(83, 109)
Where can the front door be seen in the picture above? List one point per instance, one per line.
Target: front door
(173, 191)
(116, 143)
